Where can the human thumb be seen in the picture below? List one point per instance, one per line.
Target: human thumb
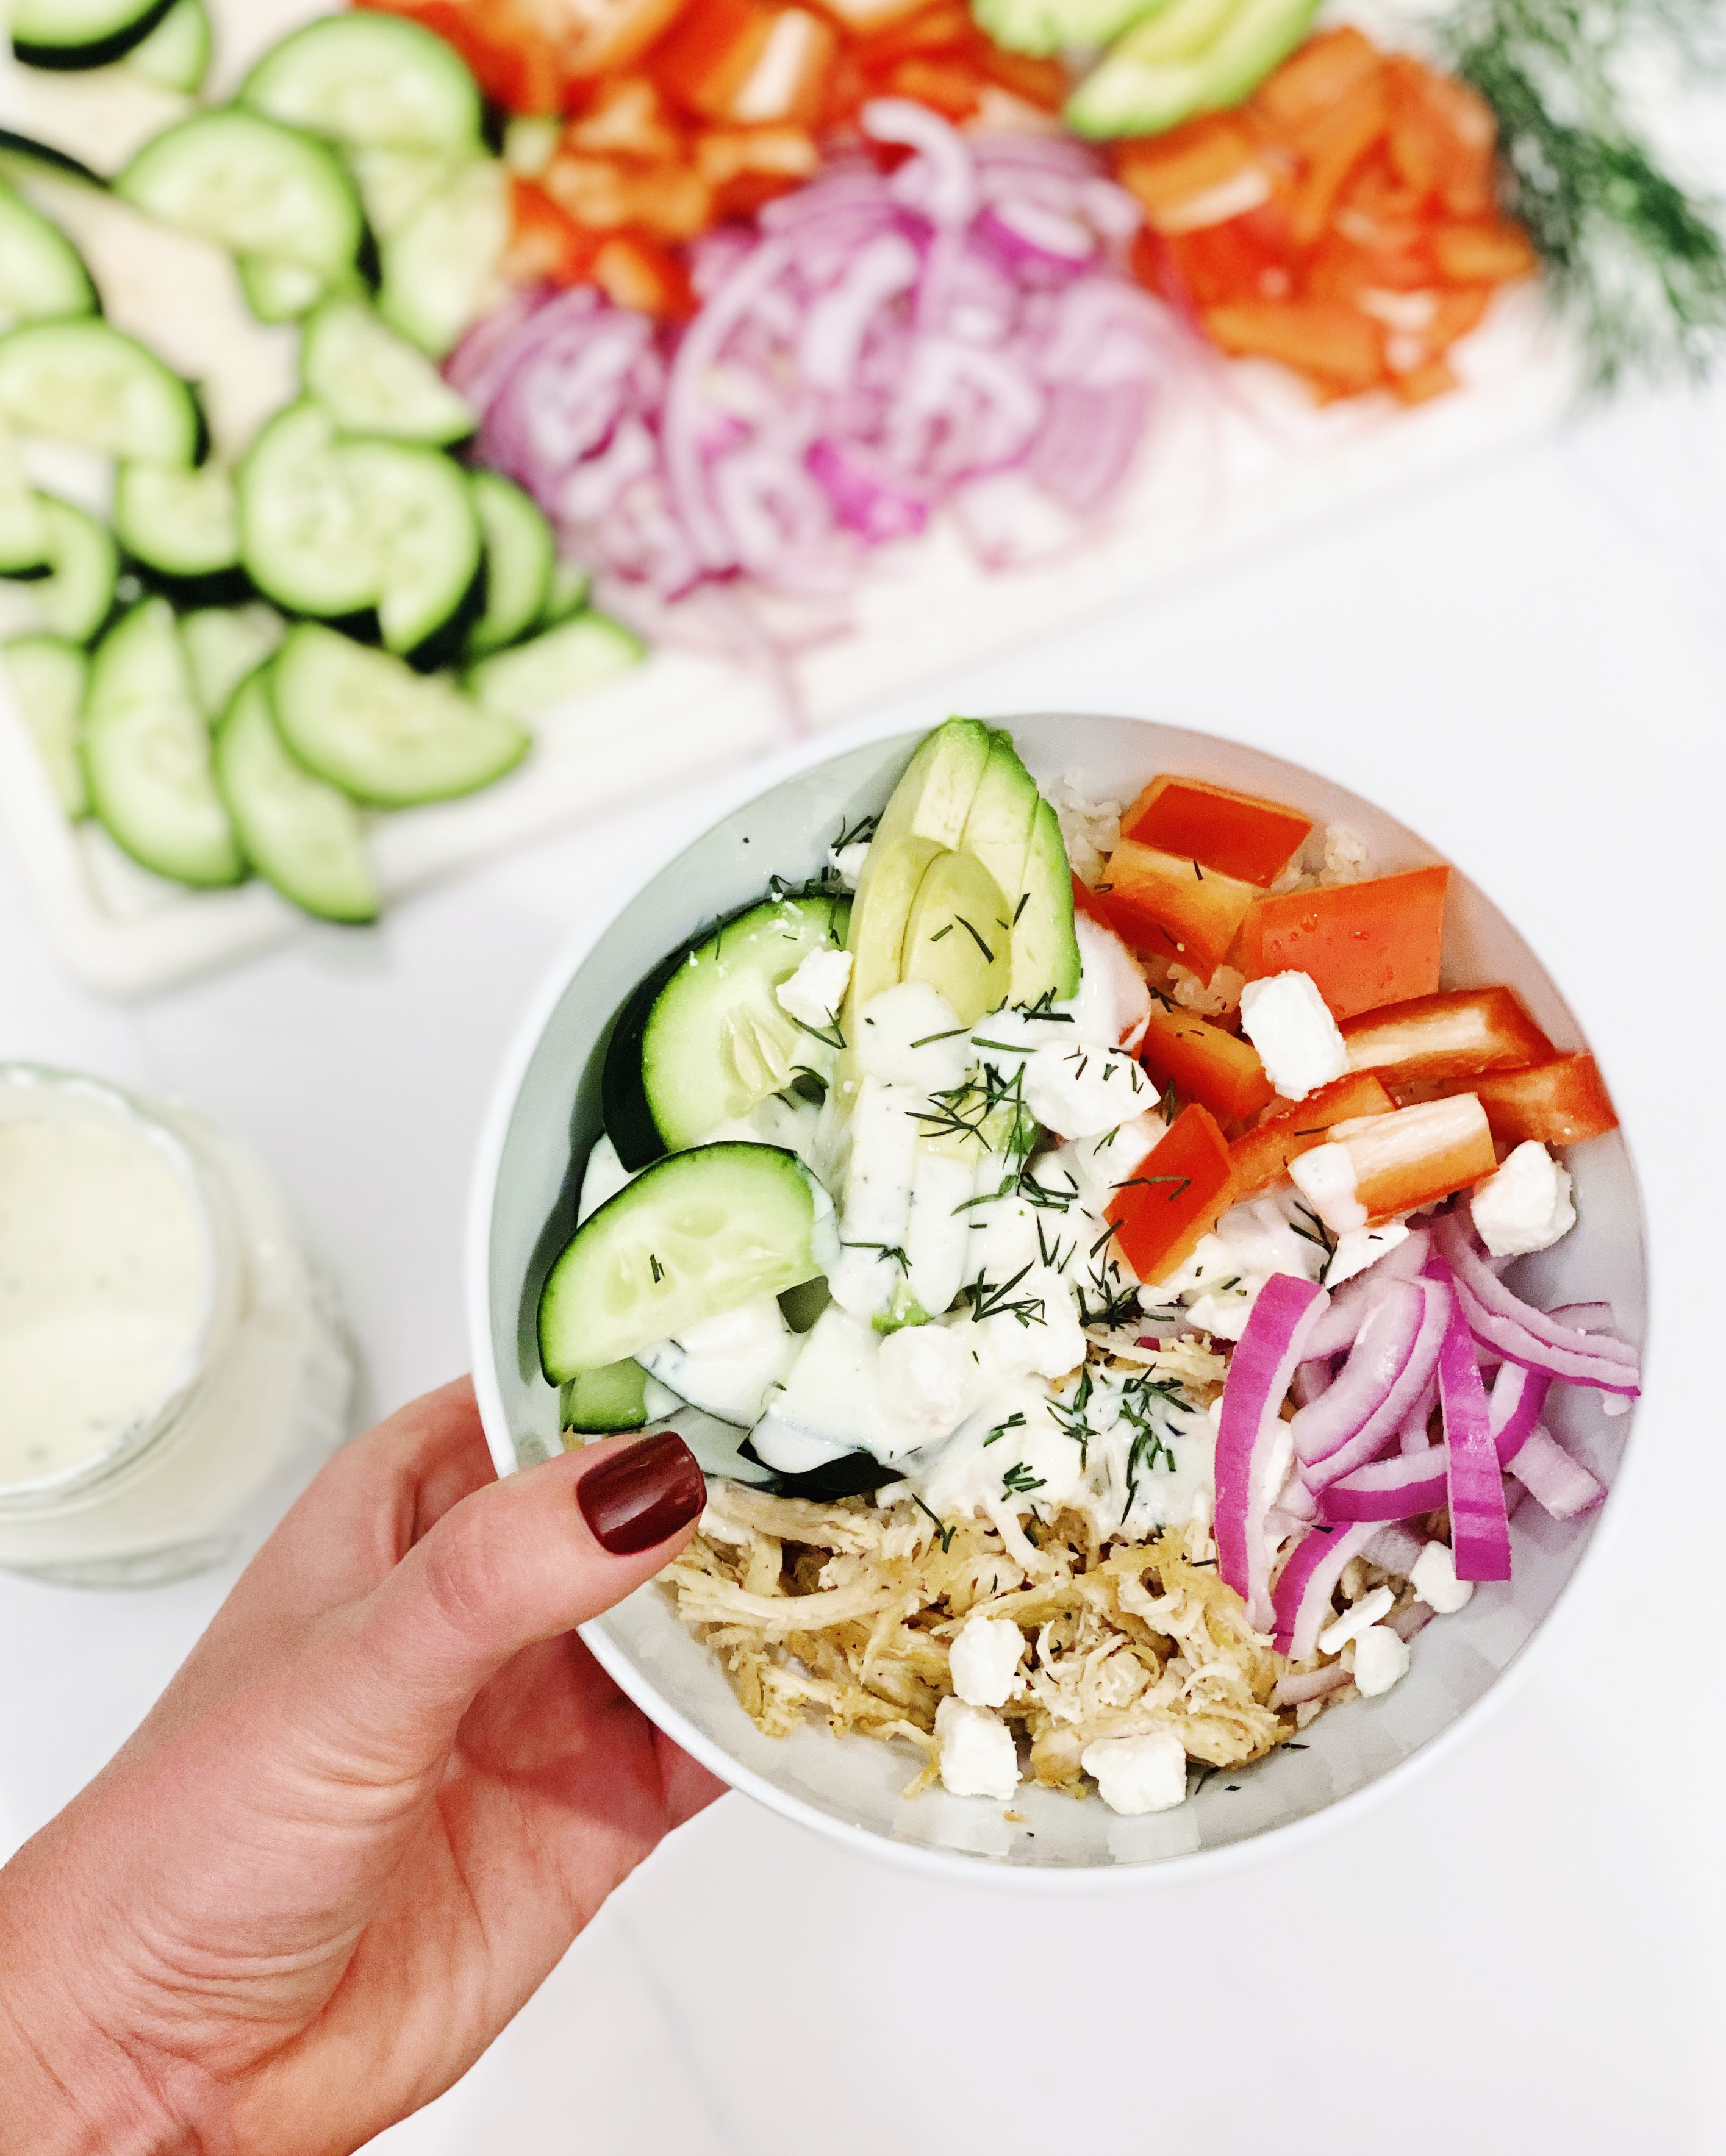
(514, 1562)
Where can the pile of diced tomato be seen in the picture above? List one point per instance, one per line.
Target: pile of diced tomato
(1190, 884)
(680, 114)
(1343, 220)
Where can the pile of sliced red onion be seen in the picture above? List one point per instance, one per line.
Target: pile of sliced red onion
(1425, 1328)
(958, 332)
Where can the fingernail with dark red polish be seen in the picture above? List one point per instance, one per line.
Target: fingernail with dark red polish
(642, 1496)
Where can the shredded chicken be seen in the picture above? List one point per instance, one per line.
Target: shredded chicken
(848, 1611)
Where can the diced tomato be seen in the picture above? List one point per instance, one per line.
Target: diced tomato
(1339, 347)
(1561, 1102)
(546, 246)
(1351, 126)
(747, 167)
(627, 118)
(1168, 172)
(1457, 1034)
(1261, 1155)
(1417, 1155)
(944, 28)
(1242, 262)
(633, 271)
(1175, 1195)
(603, 35)
(1044, 82)
(1486, 254)
(1323, 72)
(1086, 901)
(1443, 138)
(1235, 833)
(711, 52)
(950, 87)
(1434, 377)
(1457, 311)
(864, 17)
(1204, 1062)
(609, 194)
(1363, 944)
(1162, 902)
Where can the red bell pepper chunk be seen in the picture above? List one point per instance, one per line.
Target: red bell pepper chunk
(1235, 834)
(545, 245)
(1363, 944)
(1457, 1034)
(1204, 1062)
(1087, 902)
(1418, 1155)
(1261, 1155)
(1174, 1195)
(1561, 1102)
(1172, 903)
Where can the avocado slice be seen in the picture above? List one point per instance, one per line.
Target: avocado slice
(958, 938)
(925, 816)
(1045, 948)
(1046, 26)
(1193, 56)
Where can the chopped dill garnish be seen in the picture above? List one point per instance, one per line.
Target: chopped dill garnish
(1014, 1421)
(1024, 901)
(1018, 1481)
(857, 835)
(833, 1038)
(1635, 261)
(940, 932)
(891, 1253)
(951, 1033)
(1182, 1183)
(991, 1299)
(969, 930)
(658, 1270)
(943, 1533)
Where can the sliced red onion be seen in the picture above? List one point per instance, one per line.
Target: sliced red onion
(1046, 243)
(1480, 1529)
(1265, 1358)
(1350, 1302)
(1295, 1687)
(941, 181)
(1308, 1580)
(1523, 1334)
(1558, 1484)
(1518, 1401)
(1413, 1436)
(1583, 1316)
(1397, 1548)
(1407, 1622)
(1388, 1368)
(1388, 1490)
(1313, 1380)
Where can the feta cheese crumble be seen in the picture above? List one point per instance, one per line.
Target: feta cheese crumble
(927, 1373)
(1381, 1660)
(1526, 1206)
(1355, 1620)
(1289, 1022)
(985, 1660)
(1325, 1176)
(1357, 1247)
(850, 862)
(1435, 1582)
(1138, 1773)
(979, 1758)
(1080, 1091)
(815, 991)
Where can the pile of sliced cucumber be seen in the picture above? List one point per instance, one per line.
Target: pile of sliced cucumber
(239, 663)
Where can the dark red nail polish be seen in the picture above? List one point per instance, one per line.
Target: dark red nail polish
(642, 1496)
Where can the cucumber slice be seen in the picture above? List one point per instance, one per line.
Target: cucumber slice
(705, 1038)
(83, 381)
(181, 522)
(371, 726)
(559, 664)
(22, 157)
(23, 528)
(520, 555)
(76, 597)
(695, 1234)
(42, 274)
(394, 183)
(48, 677)
(374, 382)
(222, 645)
(371, 79)
(415, 508)
(567, 593)
(279, 291)
(300, 834)
(176, 55)
(81, 33)
(147, 753)
(252, 187)
(441, 267)
(616, 1398)
(302, 538)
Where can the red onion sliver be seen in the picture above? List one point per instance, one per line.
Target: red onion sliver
(1388, 1490)
(1295, 1687)
(1413, 1437)
(1518, 1401)
(1480, 1531)
(1398, 1549)
(1265, 1358)
(1309, 1578)
(1396, 1353)
(1558, 1483)
(1517, 1330)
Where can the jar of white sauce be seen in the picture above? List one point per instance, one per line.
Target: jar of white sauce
(172, 1363)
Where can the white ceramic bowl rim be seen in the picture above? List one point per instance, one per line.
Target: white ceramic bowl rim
(950, 1864)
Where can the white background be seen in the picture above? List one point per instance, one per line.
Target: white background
(1519, 1950)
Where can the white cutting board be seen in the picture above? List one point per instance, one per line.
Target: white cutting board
(1236, 458)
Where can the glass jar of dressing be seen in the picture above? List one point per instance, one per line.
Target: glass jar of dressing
(171, 1359)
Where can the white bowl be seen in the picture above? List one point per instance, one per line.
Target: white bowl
(546, 1112)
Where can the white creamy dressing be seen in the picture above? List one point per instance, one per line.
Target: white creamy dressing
(104, 1278)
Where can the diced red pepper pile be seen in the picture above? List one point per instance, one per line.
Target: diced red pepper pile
(1343, 220)
(1189, 884)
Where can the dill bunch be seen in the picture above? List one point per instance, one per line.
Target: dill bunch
(1637, 262)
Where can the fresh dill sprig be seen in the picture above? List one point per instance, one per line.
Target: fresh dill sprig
(1014, 1421)
(944, 1533)
(993, 1299)
(832, 1037)
(857, 835)
(1018, 1481)
(891, 1253)
(1638, 264)
(1070, 1414)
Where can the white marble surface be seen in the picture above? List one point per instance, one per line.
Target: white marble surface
(1518, 1950)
